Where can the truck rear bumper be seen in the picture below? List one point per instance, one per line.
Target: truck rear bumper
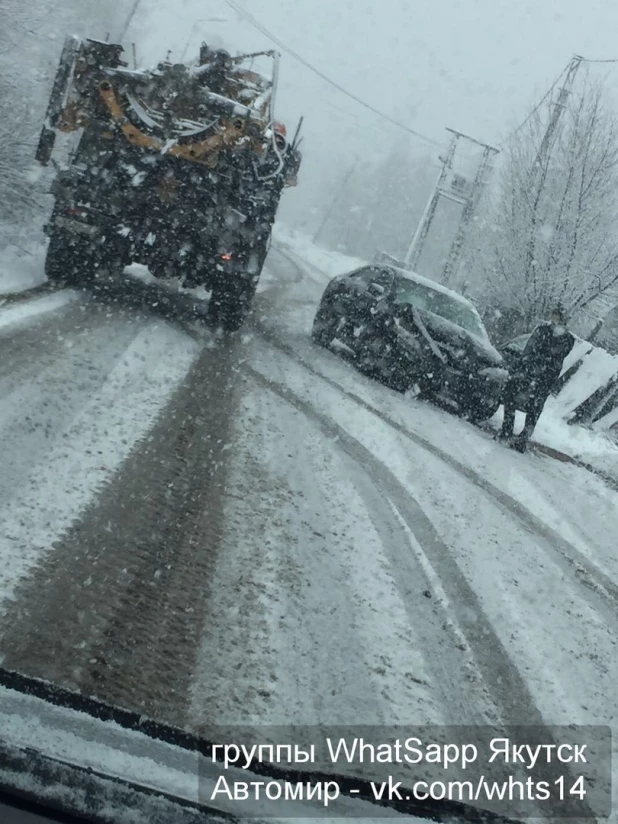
(71, 225)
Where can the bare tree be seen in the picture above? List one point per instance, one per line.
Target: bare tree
(552, 234)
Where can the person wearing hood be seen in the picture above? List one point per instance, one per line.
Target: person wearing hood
(538, 369)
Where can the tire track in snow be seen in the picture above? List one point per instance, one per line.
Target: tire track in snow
(288, 596)
(491, 657)
(75, 466)
(572, 561)
(22, 343)
(454, 673)
(12, 298)
(48, 382)
(116, 610)
(505, 684)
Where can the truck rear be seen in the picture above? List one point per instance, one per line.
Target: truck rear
(180, 168)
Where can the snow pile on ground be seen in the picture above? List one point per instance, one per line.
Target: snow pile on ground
(21, 265)
(596, 445)
(579, 351)
(325, 261)
(597, 369)
(12, 315)
(579, 442)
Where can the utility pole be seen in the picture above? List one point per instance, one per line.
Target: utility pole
(540, 164)
(339, 192)
(549, 136)
(416, 245)
(452, 264)
(452, 192)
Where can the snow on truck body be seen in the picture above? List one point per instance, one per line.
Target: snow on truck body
(180, 168)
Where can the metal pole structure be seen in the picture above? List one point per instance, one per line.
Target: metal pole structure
(452, 264)
(335, 201)
(541, 161)
(549, 136)
(414, 248)
(422, 230)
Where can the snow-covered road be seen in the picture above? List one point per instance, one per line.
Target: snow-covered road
(249, 531)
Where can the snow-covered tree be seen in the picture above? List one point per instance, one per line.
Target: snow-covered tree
(551, 234)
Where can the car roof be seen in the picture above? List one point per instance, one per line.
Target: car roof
(431, 284)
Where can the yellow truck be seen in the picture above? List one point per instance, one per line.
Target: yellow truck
(180, 167)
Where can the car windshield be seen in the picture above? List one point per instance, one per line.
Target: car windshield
(246, 498)
(431, 300)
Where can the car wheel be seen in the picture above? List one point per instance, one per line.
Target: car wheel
(325, 326)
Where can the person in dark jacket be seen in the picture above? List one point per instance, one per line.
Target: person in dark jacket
(538, 369)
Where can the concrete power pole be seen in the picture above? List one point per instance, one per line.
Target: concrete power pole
(416, 245)
(542, 159)
(549, 136)
(452, 264)
(457, 194)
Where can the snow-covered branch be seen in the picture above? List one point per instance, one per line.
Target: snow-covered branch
(554, 228)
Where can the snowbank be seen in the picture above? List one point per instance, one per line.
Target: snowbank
(21, 262)
(327, 262)
(597, 369)
(587, 445)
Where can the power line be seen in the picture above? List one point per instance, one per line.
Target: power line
(252, 20)
(589, 60)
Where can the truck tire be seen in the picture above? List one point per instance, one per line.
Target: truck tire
(70, 260)
(230, 303)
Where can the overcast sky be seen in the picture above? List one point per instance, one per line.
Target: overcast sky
(476, 65)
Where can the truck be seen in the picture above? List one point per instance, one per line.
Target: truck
(180, 167)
